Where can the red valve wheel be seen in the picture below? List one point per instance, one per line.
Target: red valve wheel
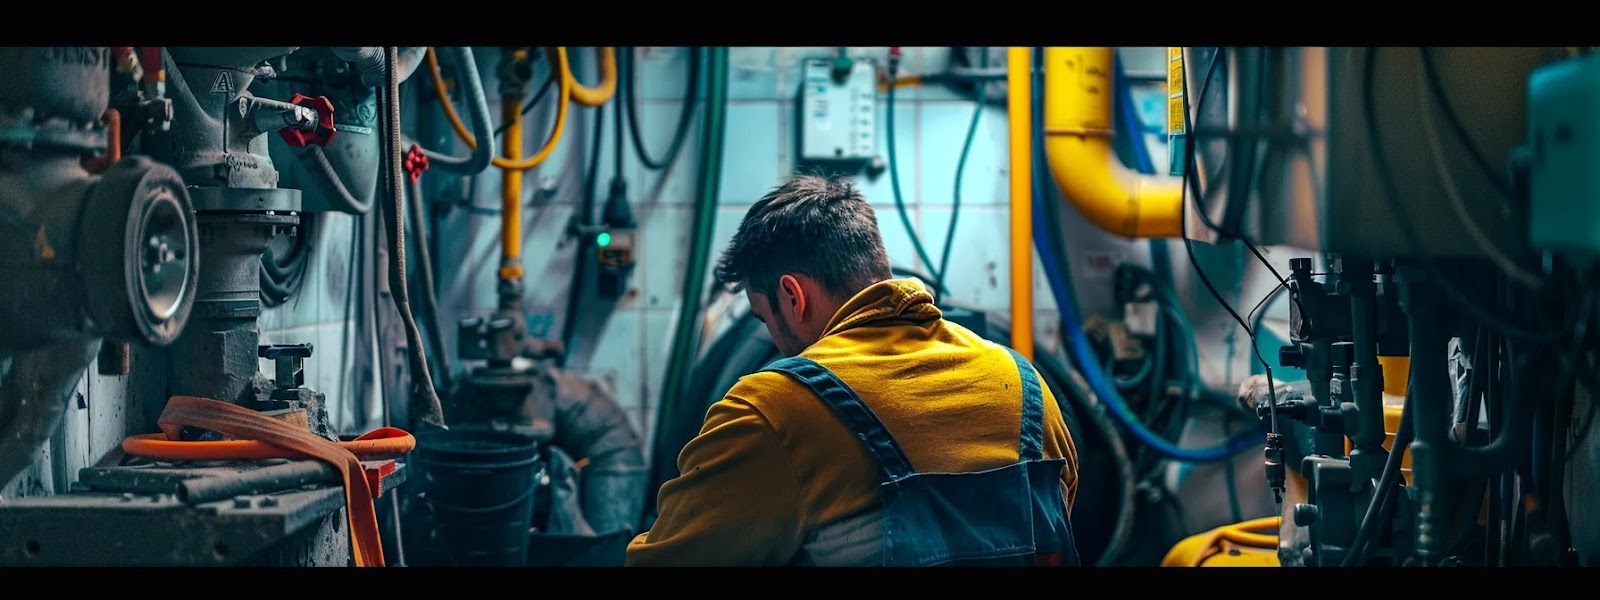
(322, 134)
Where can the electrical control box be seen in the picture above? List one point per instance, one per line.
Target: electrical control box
(838, 111)
(1563, 145)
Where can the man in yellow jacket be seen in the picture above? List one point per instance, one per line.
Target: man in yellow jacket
(890, 436)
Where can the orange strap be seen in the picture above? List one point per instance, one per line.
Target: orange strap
(261, 433)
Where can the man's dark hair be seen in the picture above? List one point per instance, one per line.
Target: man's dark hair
(821, 227)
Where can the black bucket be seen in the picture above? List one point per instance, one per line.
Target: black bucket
(479, 487)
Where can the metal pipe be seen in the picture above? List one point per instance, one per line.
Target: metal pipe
(370, 61)
(1366, 375)
(511, 180)
(1077, 124)
(590, 424)
(1430, 399)
(1019, 63)
(201, 490)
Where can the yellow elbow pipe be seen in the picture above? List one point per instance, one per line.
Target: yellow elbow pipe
(1078, 129)
(599, 94)
(1019, 62)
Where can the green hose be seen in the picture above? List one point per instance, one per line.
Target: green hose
(712, 141)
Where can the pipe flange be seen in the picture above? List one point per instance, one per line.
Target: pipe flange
(264, 200)
(144, 288)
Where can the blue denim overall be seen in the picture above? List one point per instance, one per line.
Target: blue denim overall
(1008, 516)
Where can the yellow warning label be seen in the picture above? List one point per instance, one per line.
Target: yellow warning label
(1174, 52)
(1175, 78)
(1176, 116)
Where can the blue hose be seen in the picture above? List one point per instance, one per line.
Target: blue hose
(1078, 343)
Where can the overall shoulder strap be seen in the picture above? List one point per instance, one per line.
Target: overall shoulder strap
(847, 405)
(1031, 447)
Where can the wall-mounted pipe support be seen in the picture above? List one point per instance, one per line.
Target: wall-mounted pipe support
(1078, 129)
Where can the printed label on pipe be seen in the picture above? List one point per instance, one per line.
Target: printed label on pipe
(1177, 117)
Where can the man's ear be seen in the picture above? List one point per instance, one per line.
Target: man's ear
(793, 294)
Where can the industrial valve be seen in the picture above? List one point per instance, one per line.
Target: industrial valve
(289, 360)
(290, 399)
(415, 162)
(318, 131)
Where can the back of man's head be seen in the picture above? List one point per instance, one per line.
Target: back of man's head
(821, 227)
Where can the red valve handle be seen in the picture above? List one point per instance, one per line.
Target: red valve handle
(322, 134)
(415, 163)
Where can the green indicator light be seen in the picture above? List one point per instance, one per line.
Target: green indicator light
(604, 239)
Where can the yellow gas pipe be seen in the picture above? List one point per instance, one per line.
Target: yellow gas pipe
(1078, 128)
(1019, 63)
(511, 182)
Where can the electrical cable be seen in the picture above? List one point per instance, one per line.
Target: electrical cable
(961, 168)
(1200, 199)
(617, 116)
(1241, 178)
(894, 179)
(685, 115)
(527, 107)
(544, 89)
(584, 218)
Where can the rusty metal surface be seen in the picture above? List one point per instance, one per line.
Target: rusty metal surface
(301, 526)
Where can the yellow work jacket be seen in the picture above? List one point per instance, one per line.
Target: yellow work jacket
(772, 462)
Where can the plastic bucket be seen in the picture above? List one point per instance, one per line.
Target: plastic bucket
(479, 487)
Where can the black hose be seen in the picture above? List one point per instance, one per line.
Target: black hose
(330, 181)
(1088, 404)
(425, 405)
(430, 297)
(1383, 498)
(685, 115)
